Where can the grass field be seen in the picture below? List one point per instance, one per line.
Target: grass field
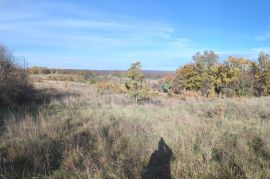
(80, 133)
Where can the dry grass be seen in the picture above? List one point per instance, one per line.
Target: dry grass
(103, 135)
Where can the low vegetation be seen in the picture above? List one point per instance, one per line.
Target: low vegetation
(104, 135)
(132, 126)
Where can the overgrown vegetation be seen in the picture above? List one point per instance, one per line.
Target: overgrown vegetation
(86, 125)
(14, 86)
(104, 135)
(233, 77)
(206, 76)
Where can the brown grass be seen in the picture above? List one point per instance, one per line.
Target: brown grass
(104, 135)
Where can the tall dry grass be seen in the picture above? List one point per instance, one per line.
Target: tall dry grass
(103, 135)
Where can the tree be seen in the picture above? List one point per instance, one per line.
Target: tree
(242, 64)
(257, 85)
(136, 85)
(261, 72)
(238, 76)
(264, 61)
(207, 67)
(225, 78)
(241, 78)
(187, 78)
(206, 59)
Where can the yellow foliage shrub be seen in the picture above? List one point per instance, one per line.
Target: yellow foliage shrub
(105, 85)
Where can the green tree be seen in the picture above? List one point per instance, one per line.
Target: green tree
(136, 85)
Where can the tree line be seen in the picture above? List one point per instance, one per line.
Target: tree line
(205, 75)
(233, 77)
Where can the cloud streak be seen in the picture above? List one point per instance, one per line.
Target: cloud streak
(263, 37)
(51, 34)
(89, 37)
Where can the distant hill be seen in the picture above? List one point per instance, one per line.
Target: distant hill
(147, 73)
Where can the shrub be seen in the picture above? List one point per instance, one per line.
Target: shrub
(105, 85)
(33, 70)
(42, 70)
(136, 86)
(14, 86)
(166, 86)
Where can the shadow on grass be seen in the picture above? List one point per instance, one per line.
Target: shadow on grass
(159, 165)
(39, 158)
(31, 104)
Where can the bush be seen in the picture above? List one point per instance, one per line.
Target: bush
(166, 86)
(33, 70)
(136, 86)
(41, 70)
(14, 86)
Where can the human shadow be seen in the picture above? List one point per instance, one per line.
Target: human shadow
(159, 165)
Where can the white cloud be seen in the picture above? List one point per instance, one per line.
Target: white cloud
(261, 49)
(263, 37)
(76, 32)
(89, 38)
(252, 53)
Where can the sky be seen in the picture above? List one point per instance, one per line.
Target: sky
(112, 34)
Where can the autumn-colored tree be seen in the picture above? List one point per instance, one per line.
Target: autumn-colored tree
(225, 77)
(187, 78)
(238, 76)
(242, 64)
(207, 68)
(263, 81)
(242, 78)
(209, 80)
(200, 76)
(136, 85)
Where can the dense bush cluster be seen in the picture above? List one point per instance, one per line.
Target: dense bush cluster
(41, 70)
(235, 76)
(14, 86)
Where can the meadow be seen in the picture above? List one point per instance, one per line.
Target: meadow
(74, 130)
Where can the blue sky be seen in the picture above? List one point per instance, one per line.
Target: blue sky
(111, 34)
